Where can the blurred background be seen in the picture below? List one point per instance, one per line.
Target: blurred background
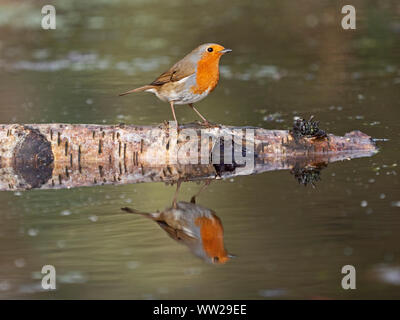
(289, 59)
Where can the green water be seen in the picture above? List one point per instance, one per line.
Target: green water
(288, 60)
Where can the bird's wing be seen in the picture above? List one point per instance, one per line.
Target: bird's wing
(176, 234)
(178, 71)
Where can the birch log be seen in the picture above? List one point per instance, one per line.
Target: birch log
(65, 155)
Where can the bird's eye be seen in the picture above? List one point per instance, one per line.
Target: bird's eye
(210, 49)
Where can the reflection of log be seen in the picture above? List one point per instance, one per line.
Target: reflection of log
(61, 155)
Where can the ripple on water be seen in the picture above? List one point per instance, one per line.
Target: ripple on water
(78, 61)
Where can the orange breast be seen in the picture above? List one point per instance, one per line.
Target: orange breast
(212, 236)
(207, 75)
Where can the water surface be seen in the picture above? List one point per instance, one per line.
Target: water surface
(288, 60)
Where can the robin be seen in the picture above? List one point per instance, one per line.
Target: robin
(190, 79)
(195, 226)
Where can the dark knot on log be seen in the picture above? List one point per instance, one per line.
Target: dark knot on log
(33, 158)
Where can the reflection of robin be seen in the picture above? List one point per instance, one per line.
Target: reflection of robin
(194, 226)
(190, 79)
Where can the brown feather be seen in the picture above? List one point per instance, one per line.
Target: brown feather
(144, 88)
(182, 69)
(178, 71)
(176, 234)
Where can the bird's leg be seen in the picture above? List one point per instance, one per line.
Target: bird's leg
(173, 113)
(199, 114)
(206, 184)
(178, 186)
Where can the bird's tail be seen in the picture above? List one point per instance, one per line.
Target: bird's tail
(152, 216)
(144, 88)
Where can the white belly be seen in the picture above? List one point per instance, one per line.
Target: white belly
(180, 92)
(189, 97)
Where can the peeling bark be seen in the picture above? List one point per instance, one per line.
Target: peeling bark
(65, 155)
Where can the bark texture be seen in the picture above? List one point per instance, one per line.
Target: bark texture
(65, 155)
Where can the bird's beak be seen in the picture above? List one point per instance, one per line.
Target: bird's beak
(223, 51)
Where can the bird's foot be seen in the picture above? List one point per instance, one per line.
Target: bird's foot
(166, 124)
